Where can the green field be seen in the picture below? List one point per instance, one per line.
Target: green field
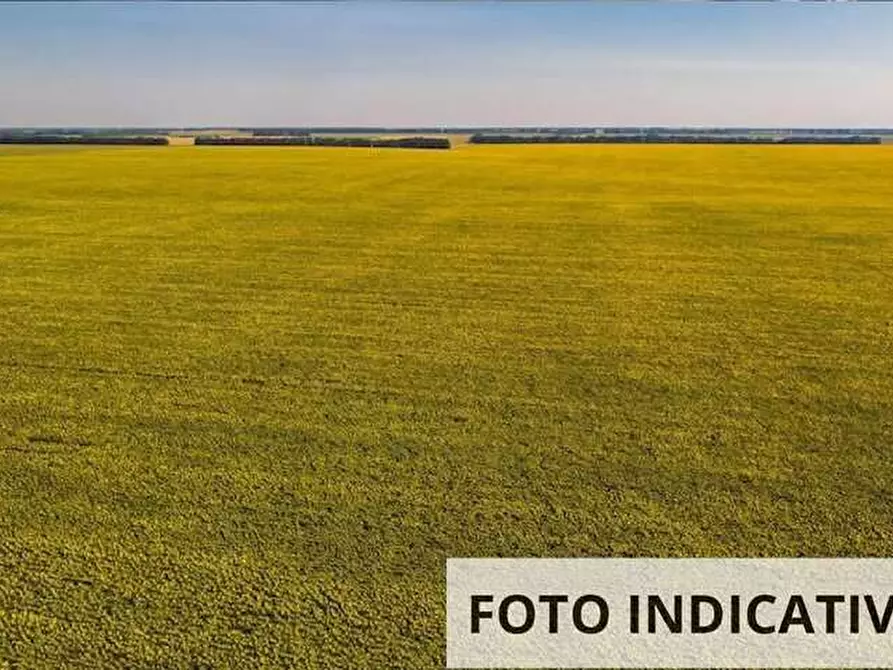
(252, 398)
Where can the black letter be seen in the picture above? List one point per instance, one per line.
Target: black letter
(674, 623)
(476, 614)
(796, 603)
(736, 614)
(602, 617)
(529, 614)
(830, 602)
(880, 626)
(752, 614)
(634, 614)
(854, 614)
(696, 626)
(553, 610)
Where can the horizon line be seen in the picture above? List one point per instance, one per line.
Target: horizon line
(437, 127)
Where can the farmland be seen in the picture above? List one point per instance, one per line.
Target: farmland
(251, 398)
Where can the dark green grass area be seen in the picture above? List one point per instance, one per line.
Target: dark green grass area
(251, 399)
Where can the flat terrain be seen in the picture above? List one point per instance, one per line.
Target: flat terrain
(252, 398)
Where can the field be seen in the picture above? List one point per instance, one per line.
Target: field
(252, 398)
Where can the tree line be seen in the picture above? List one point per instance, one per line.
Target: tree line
(308, 140)
(78, 139)
(484, 138)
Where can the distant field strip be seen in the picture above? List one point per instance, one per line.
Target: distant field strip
(250, 400)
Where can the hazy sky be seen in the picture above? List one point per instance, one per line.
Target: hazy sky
(456, 63)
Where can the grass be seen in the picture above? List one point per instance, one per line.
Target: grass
(252, 398)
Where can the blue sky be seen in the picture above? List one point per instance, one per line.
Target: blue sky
(451, 63)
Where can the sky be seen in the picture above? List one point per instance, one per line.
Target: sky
(176, 64)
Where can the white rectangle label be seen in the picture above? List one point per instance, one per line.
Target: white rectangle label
(670, 613)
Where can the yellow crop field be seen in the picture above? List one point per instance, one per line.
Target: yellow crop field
(251, 398)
